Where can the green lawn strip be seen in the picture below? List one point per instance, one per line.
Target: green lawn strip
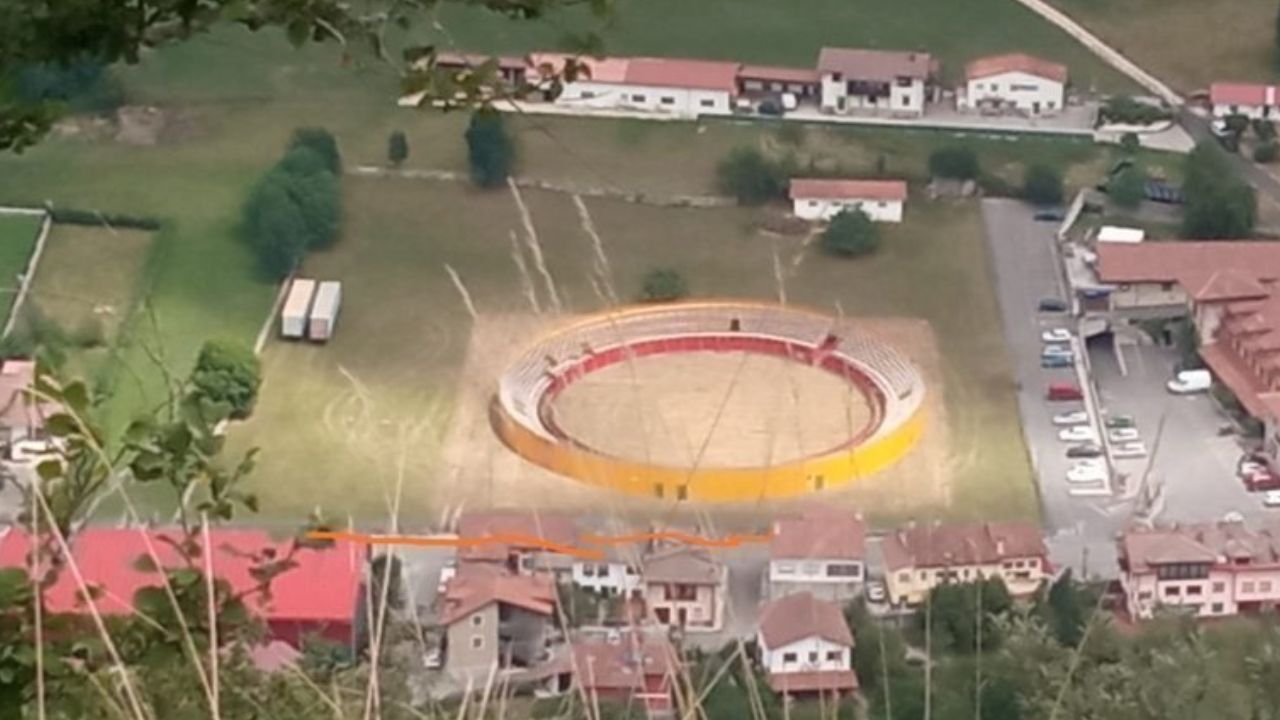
(18, 234)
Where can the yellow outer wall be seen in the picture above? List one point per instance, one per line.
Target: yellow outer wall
(711, 484)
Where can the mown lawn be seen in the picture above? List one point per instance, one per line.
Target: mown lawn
(17, 240)
(1187, 43)
(768, 31)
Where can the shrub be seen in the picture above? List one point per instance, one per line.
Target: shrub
(397, 148)
(954, 162)
(227, 372)
(1130, 143)
(73, 216)
(663, 285)
(1042, 185)
(85, 84)
(322, 142)
(750, 177)
(490, 150)
(851, 234)
(1219, 204)
(1264, 129)
(1123, 109)
(1266, 152)
(1236, 124)
(1128, 188)
(274, 226)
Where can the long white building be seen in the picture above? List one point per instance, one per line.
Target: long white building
(824, 198)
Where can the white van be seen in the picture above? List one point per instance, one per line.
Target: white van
(1190, 381)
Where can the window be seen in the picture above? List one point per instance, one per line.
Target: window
(843, 570)
(813, 657)
(477, 642)
(680, 592)
(1022, 88)
(1183, 571)
(1216, 608)
(637, 98)
(995, 87)
(1049, 105)
(786, 569)
(833, 655)
(1194, 589)
(631, 572)
(906, 101)
(788, 657)
(1264, 586)
(1144, 595)
(977, 86)
(477, 620)
(965, 573)
(602, 570)
(881, 204)
(668, 101)
(1219, 587)
(682, 492)
(904, 577)
(1172, 591)
(924, 575)
(589, 570)
(1166, 287)
(708, 102)
(1246, 586)
(812, 203)
(810, 568)
(587, 94)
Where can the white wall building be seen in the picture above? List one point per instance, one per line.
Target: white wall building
(607, 577)
(805, 646)
(679, 88)
(823, 199)
(884, 82)
(1014, 82)
(1249, 99)
(820, 553)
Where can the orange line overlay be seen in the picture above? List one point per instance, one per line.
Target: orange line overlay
(523, 540)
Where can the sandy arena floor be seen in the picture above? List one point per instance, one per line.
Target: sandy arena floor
(799, 408)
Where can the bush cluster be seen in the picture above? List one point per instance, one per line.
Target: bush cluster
(1124, 110)
(296, 206)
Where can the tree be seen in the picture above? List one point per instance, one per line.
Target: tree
(1067, 610)
(1042, 185)
(1130, 143)
(275, 226)
(851, 234)
(490, 150)
(954, 608)
(397, 148)
(749, 176)
(321, 142)
(1266, 152)
(954, 162)
(1128, 188)
(1219, 204)
(663, 285)
(227, 372)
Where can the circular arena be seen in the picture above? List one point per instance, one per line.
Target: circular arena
(710, 401)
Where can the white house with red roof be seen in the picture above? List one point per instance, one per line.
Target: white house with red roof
(1014, 82)
(881, 81)
(805, 646)
(678, 88)
(1253, 100)
(317, 597)
(819, 552)
(824, 198)
(1207, 570)
(629, 667)
(919, 558)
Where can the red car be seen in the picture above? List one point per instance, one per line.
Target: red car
(1058, 392)
(1262, 481)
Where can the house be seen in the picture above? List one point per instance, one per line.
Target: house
(1228, 290)
(108, 559)
(684, 587)
(679, 88)
(919, 558)
(1254, 101)
(21, 416)
(888, 82)
(629, 666)
(492, 618)
(520, 540)
(1014, 81)
(805, 646)
(1206, 570)
(758, 81)
(823, 198)
(821, 553)
(615, 574)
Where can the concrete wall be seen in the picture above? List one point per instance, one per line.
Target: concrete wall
(810, 654)
(472, 643)
(681, 102)
(787, 577)
(1147, 295)
(1029, 93)
(825, 208)
(902, 100)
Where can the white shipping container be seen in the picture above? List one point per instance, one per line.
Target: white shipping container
(324, 311)
(293, 316)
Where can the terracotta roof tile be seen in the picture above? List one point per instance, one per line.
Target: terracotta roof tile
(819, 534)
(1210, 543)
(848, 189)
(1229, 93)
(694, 74)
(1015, 62)
(624, 662)
(875, 65)
(682, 565)
(467, 592)
(801, 616)
(943, 545)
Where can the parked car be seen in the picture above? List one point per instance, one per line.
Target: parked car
(1053, 305)
(1056, 349)
(1078, 434)
(1056, 361)
(1123, 435)
(1250, 467)
(1233, 517)
(1063, 391)
(1049, 215)
(876, 592)
(1134, 449)
(1056, 335)
(1190, 381)
(1271, 499)
(1120, 421)
(1087, 474)
(1084, 450)
(1262, 482)
(1074, 417)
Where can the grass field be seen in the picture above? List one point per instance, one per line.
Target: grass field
(17, 239)
(766, 31)
(1187, 43)
(388, 379)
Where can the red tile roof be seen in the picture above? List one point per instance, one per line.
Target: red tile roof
(1188, 262)
(1258, 400)
(692, 74)
(1212, 543)
(774, 73)
(624, 662)
(468, 592)
(1015, 62)
(840, 189)
(935, 546)
(323, 587)
(819, 534)
(814, 682)
(681, 564)
(600, 70)
(875, 65)
(1229, 93)
(802, 616)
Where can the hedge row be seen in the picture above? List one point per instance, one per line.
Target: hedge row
(72, 216)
